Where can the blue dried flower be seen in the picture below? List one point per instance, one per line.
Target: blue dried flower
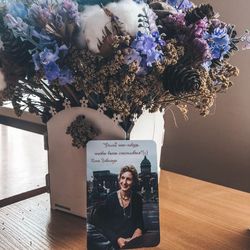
(180, 4)
(219, 42)
(52, 71)
(17, 9)
(185, 5)
(146, 50)
(143, 43)
(153, 56)
(44, 58)
(158, 39)
(47, 56)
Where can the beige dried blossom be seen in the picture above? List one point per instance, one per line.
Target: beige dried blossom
(124, 92)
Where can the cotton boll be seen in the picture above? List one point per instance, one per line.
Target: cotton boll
(2, 81)
(127, 11)
(93, 20)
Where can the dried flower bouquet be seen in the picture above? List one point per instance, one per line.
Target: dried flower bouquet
(119, 58)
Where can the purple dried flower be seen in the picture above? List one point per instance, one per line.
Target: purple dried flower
(200, 27)
(40, 15)
(178, 19)
(201, 48)
(69, 10)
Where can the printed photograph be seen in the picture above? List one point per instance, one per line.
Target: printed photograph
(122, 193)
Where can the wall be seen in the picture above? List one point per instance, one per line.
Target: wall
(216, 148)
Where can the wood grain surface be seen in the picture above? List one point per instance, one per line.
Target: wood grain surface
(194, 215)
(30, 224)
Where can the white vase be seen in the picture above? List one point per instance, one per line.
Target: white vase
(67, 164)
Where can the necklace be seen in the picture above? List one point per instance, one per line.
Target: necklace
(124, 208)
(126, 198)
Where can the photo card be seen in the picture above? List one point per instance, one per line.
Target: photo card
(122, 194)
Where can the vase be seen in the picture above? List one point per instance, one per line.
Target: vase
(67, 164)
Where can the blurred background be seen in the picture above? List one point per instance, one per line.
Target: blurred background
(216, 148)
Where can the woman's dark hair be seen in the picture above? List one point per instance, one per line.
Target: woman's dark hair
(133, 171)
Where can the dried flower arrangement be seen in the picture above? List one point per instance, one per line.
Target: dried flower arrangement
(119, 58)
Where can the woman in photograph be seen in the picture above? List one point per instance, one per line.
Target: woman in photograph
(122, 212)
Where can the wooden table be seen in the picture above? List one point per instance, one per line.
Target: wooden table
(194, 215)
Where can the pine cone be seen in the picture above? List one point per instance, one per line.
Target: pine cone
(204, 10)
(16, 60)
(179, 79)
